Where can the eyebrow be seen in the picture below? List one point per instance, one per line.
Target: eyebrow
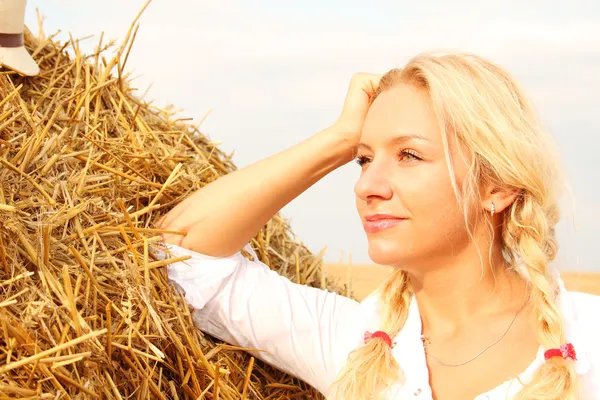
(398, 139)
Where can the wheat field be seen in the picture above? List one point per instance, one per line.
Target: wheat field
(364, 278)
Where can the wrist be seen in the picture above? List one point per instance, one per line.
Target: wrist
(339, 146)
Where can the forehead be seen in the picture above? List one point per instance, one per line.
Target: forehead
(402, 110)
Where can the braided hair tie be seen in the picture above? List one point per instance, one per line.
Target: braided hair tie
(379, 335)
(566, 351)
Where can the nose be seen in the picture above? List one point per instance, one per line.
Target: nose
(374, 183)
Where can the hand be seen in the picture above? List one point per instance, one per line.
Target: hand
(350, 123)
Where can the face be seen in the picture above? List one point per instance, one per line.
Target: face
(404, 194)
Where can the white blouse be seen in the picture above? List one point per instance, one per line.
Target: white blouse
(309, 332)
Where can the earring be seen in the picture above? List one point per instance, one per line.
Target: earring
(493, 209)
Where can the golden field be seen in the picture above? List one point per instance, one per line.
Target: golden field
(364, 278)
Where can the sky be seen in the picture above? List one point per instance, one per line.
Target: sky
(272, 73)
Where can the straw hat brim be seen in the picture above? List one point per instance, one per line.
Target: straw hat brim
(19, 60)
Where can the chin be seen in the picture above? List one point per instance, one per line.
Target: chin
(385, 252)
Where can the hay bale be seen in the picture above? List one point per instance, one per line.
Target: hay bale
(85, 307)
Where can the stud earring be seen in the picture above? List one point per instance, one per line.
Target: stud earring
(493, 209)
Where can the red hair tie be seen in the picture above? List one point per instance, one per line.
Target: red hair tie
(381, 335)
(565, 351)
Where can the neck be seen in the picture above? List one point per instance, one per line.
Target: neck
(468, 286)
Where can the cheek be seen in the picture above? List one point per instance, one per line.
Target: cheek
(425, 186)
(428, 195)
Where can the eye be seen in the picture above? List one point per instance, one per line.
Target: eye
(362, 160)
(409, 155)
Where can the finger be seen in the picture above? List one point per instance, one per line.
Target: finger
(369, 82)
(374, 78)
(372, 85)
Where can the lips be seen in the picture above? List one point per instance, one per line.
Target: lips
(379, 222)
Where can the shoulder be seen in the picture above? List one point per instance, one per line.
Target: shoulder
(586, 307)
(581, 312)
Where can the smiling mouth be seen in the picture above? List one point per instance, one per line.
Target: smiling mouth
(380, 224)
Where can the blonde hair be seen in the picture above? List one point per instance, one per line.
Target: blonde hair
(482, 105)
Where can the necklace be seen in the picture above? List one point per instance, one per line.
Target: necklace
(426, 341)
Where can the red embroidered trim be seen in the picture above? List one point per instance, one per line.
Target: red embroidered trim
(565, 351)
(381, 335)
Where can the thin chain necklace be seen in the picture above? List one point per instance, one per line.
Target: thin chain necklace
(426, 341)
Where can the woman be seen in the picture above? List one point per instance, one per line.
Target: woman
(459, 193)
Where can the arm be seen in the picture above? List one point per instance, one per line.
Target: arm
(224, 215)
(304, 331)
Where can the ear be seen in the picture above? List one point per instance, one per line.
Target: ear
(501, 198)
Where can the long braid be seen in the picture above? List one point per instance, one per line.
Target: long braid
(529, 234)
(372, 367)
